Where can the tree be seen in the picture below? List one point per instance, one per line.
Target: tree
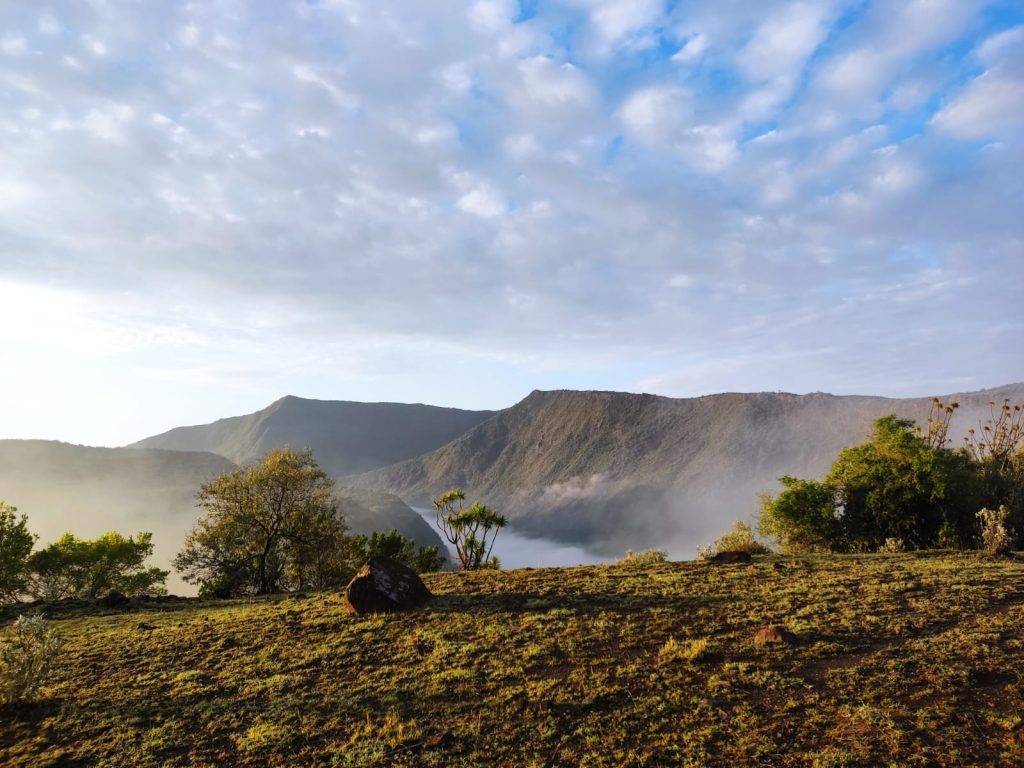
(392, 544)
(73, 567)
(267, 527)
(897, 485)
(15, 547)
(803, 517)
(468, 529)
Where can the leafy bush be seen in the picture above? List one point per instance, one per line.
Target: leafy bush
(73, 567)
(27, 654)
(739, 538)
(996, 539)
(394, 545)
(646, 557)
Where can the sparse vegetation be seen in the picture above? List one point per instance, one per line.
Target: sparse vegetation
(471, 530)
(995, 538)
(644, 557)
(908, 659)
(739, 538)
(28, 651)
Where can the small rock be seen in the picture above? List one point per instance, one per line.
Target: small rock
(113, 600)
(146, 627)
(773, 633)
(731, 557)
(384, 585)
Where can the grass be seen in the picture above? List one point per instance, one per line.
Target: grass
(901, 660)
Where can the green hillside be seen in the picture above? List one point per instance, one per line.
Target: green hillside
(900, 660)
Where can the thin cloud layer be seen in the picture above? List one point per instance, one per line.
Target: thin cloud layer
(206, 205)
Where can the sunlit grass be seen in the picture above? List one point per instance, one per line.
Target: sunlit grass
(903, 659)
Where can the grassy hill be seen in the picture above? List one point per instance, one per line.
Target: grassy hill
(346, 437)
(908, 660)
(612, 470)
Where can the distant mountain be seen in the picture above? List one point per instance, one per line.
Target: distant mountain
(346, 437)
(614, 470)
(89, 491)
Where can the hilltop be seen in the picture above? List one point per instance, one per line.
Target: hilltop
(346, 437)
(613, 470)
(909, 660)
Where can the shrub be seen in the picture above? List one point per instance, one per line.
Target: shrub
(73, 567)
(646, 557)
(26, 655)
(995, 538)
(739, 538)
(673, 650)
(392, 544)
(892, 545)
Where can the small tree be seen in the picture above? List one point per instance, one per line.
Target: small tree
(15, 547)
(268, 527)
(394, 545)
(27, 653)
(468, 529)
(73, 567)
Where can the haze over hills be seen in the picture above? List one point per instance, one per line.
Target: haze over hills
(614, 470)
(89, 491)
(346, 437)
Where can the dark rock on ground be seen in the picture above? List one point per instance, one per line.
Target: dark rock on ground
(384, 585)
(731, 557)
(773, 633)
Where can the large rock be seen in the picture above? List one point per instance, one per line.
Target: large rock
(384, 585)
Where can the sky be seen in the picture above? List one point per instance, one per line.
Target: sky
(205, 206)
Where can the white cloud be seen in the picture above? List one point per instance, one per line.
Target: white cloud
(483, 201)
(551, 84)
(692, 49)
(992, 104)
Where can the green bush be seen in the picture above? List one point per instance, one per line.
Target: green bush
(392, 544)
(27, 653)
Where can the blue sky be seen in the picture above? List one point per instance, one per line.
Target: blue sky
(205, 206)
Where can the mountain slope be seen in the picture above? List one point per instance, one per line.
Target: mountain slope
(89, 491)
(613, 470)
(346, 437)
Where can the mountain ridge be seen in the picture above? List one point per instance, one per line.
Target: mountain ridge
(612, 469)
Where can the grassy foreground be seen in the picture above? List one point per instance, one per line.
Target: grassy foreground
(902, 660)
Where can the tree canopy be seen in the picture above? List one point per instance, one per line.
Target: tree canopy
(267, 528)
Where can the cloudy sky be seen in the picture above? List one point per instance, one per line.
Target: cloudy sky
(205, 206)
